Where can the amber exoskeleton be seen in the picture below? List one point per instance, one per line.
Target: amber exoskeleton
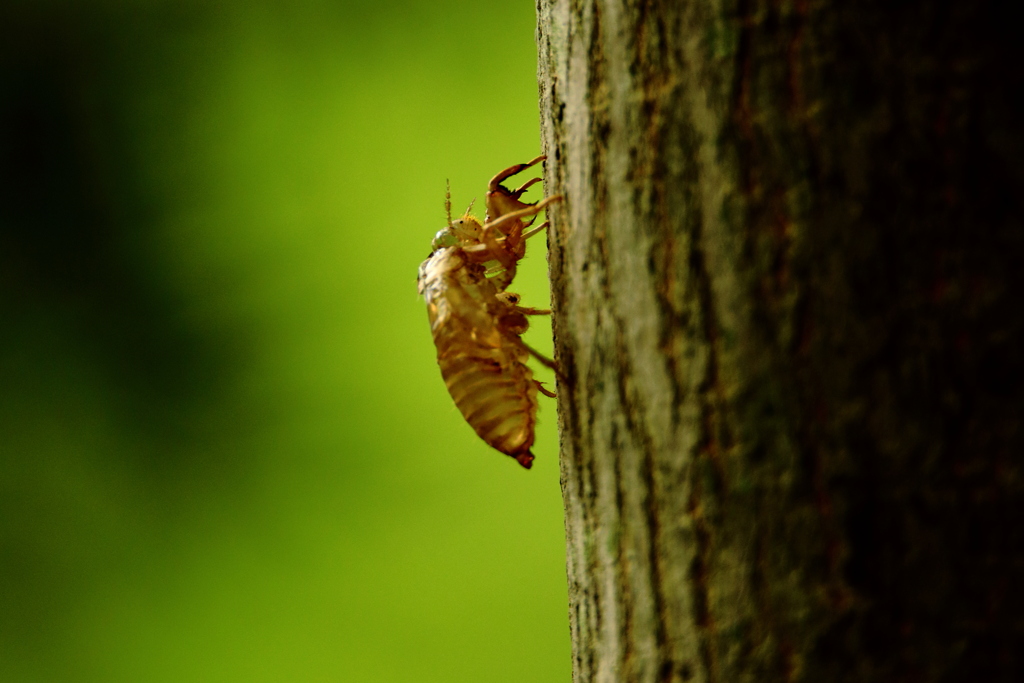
(477, 325)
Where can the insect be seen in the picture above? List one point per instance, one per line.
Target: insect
(477, 324)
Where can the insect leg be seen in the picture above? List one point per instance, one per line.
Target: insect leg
(507, 260)
(546, 392)
(516, 194)
(505, 277)
(526, 310)
(522, 213)
(543, 226)
(511, 171)
(541, 358)
(544, 360)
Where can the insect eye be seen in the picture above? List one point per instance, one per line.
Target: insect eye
(443, 238)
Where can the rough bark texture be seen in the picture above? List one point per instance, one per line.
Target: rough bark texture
(787, 282)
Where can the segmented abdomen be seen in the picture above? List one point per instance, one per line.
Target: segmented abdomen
(482, 368)
(497, 396)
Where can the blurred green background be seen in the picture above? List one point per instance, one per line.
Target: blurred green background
(226, 452)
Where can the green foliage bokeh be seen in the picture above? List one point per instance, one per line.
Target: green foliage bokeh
(226, 452)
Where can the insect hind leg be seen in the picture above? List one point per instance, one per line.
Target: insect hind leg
(544, 390)
(541, 358)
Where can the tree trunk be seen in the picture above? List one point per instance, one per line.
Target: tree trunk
(787, 282)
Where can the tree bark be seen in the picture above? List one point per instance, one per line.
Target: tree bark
(787, 282)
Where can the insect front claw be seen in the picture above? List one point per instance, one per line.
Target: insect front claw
(524, 187)
(511, 171)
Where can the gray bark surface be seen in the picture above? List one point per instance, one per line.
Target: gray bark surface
(787, 282)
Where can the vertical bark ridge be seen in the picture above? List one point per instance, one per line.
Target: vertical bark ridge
(643, 556)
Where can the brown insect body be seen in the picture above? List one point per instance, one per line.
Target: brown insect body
(477, 325)
(481, 363)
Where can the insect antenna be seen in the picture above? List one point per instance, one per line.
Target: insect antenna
(470, 207)
(448, 200)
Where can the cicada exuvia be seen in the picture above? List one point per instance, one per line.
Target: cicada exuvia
(477, 325)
